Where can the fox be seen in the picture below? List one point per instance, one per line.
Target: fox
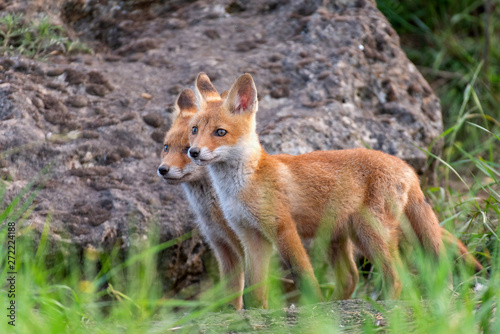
(177, 168)
(356, 197)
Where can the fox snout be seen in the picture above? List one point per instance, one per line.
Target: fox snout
(162, 170)
(194, 152)
(201, 157)
(172, 174)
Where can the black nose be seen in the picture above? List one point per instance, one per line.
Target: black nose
(194, 152)
(162, 170)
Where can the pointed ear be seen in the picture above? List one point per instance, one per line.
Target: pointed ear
(242, 96)
(205, 91)
(186, 103)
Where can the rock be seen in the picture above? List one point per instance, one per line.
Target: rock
(55, 72)
(74, 77)
(57, 86)
(176, 90)
(212, 34)
(37, 102)
(146, 96)
(55, 111)
(21, 66)
(158, 136)
(111, 157)
(77, 101)
(279, 92)
(354, 314)
(89, 134)
(112, 58)
(174, 24)
(328, 77)
(6, 63)
(123, 152)
(5, 174)
(98, 78)
(245, 46)
(97, 90)
(153, 119)
(128, 116)
(138, 46)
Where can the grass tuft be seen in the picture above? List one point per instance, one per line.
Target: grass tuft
(36, 38)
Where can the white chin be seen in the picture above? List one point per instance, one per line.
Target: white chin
(201, 162)
(174, 181)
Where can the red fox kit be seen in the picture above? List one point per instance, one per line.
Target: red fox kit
(176, 167)
(358, 196)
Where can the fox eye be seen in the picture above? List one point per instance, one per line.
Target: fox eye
(220, 132)
(194, 130)
(165, 148)
(185, 150)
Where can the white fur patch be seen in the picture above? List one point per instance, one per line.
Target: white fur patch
(230, 175)
(206, 155)
(203, 199)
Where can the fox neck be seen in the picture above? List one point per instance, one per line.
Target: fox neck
(231, 176)
(200, 194)
(202, 183)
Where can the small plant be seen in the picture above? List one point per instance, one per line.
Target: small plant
(35, 38)
(10, 29)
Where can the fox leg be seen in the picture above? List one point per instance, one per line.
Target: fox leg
(344, 267)
(258, 251)
(295, 257)
(396, 263)
(231, 264)
(374, 237)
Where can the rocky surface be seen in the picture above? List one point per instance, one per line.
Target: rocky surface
(345, 316)
(330, 75)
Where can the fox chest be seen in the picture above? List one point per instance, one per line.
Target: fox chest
(203, 201)
(230, 184)
(237, 212)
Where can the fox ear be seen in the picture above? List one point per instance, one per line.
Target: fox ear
(186, 103)
(242, 97)
(205, 91)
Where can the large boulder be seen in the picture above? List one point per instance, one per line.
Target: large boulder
(330, 75)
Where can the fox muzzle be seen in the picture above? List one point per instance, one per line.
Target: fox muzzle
(194, 152)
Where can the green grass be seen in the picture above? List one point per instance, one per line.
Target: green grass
(36, 38)
(455, 45)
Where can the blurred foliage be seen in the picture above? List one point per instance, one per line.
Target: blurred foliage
(456, 45)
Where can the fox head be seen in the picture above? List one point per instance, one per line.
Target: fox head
(223, 129)
(176, 167)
